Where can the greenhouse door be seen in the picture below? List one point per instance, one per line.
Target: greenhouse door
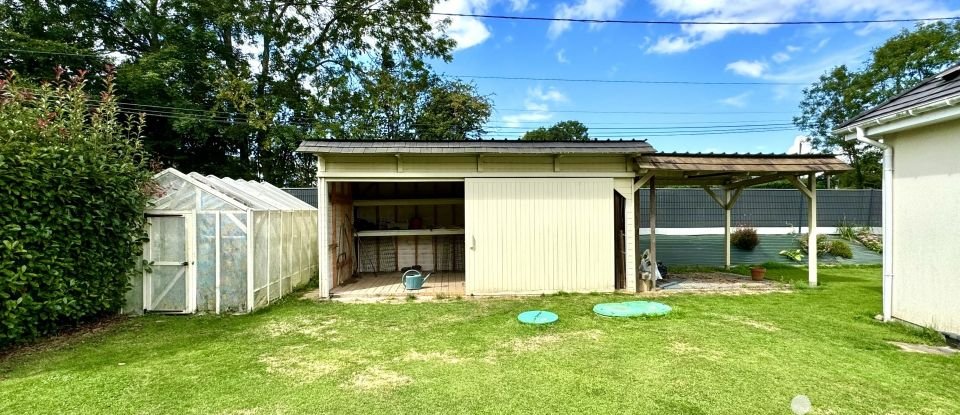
(166, 286)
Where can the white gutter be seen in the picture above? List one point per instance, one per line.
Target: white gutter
(887, 212)
(913, 112)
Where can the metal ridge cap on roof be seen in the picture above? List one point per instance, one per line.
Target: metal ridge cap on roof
(744, 155)
(526, 142)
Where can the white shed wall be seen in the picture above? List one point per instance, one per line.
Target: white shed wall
(926, 215)
(539, 235)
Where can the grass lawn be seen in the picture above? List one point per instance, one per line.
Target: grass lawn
(714, 354)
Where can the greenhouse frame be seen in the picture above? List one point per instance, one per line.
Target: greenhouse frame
(222, 245)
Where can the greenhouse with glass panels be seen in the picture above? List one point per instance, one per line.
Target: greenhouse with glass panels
(222, 245)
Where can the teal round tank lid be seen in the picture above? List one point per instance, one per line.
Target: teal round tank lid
(537, 317)
(631, 309)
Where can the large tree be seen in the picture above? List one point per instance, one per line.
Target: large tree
(841, 93)
(562, 131)
(231, 88)
(452, 111)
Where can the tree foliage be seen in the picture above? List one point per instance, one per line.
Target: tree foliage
(561, 131)
(452, 111)
(73, 185)
(841, 93)
(232, 88)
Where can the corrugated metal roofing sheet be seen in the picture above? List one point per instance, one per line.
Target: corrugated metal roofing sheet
(476, 147)
(933, 89)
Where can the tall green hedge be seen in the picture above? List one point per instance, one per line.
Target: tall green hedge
(72, 194)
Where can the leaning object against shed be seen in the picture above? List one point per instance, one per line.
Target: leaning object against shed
(515, 217)
(222, 245)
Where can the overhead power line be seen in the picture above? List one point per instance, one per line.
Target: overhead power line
(681, 22)
(623, 81)
(524, 78)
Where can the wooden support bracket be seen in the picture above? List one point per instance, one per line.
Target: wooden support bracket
(642, 180)
(800, 186)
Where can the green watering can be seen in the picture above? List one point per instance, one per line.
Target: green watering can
(413, 279)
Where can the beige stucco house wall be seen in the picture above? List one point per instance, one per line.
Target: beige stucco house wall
(926, 215)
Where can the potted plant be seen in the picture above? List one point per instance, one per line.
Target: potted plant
(758, 272)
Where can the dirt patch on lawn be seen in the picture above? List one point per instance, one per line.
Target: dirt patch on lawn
(68, 336)
(304, 326)
(441, 357)
(378, 379)
(294, 365)
(681, 348)
(535, 343)
(768, 327)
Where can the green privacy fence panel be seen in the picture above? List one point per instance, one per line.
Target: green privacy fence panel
(693, 208)
(708, 250)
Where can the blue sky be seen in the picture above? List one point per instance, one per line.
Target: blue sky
(790, 54)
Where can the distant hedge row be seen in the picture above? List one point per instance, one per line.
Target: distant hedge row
(72, 195)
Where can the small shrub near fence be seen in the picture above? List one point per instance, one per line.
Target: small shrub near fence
(745, 238)
(72, 193)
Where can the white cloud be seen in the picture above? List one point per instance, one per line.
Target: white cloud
(671, 44)
(693, 36)
(549, 95)
(537, 106)
(466, 31)
(738, 101)
(801, 145)
(753, 69)
(793, 49)
(519, 5)
(562, 56)
(780, 57)
(823, 42)
(583, 9)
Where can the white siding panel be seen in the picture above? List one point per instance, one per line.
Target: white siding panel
(539, 235)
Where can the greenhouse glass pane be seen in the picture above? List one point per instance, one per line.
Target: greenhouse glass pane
(233, 262)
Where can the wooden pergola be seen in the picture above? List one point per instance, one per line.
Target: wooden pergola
(723, 177)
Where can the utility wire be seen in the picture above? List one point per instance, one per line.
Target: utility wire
(533, 78)
(621, 81)
(678, 22)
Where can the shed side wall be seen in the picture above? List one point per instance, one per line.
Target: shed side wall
(926, 189)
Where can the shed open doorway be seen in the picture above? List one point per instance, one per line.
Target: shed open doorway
(380, 229)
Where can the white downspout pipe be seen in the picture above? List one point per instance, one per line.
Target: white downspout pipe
(887, 190)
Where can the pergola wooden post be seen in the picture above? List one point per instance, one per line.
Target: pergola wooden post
(646, 177)
(730, 196)
(810, 191)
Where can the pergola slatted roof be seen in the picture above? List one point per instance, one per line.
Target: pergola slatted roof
(746, 163)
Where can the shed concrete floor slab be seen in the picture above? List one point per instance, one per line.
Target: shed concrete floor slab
(388, 284)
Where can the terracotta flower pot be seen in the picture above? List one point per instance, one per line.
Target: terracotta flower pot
(758, 273)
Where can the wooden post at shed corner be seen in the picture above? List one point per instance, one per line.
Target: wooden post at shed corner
(812, 230)
(653, 233)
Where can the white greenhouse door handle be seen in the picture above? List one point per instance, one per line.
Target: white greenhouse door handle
(473, 243)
